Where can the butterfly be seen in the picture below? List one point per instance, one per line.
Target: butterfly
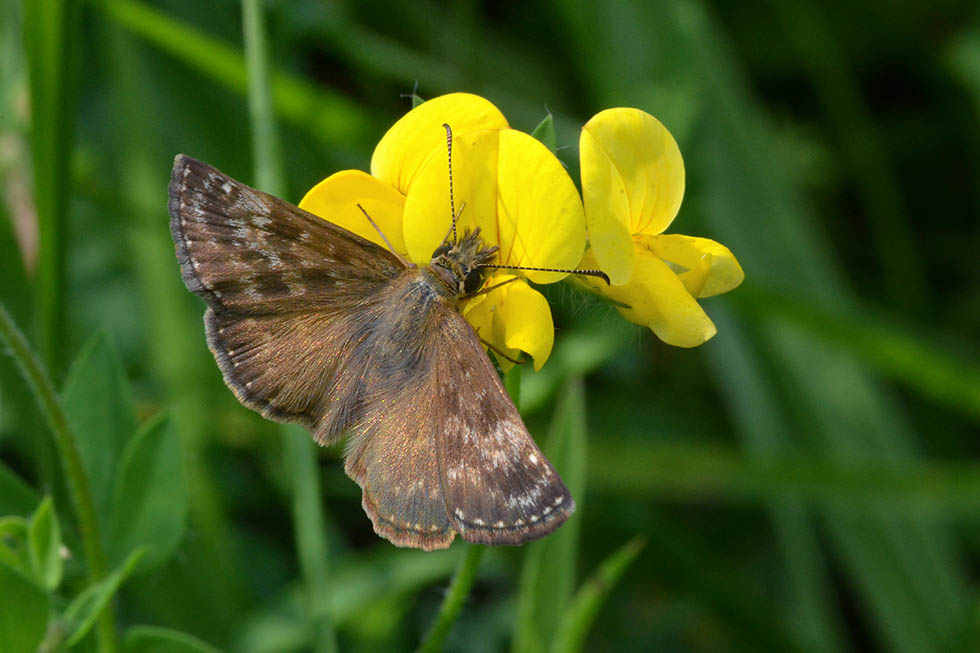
(310, 323)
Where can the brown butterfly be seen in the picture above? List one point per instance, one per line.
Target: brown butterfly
(313, 324)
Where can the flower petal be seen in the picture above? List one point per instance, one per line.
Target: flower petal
(714, 263)
(606, 211)
(335, 199)
(419, 135)
(513, 318)
(428, 217)
(528, 325)
(540, 220)
(632, 177)
(658, 299)
(513, 189)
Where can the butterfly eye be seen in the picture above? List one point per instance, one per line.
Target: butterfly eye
(441, 249)
(474, 279)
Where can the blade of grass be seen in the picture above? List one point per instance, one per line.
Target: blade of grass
(686, 471)
(548, 574)
(310, 528)
(906, 569)
(818, 46)
(265, 139)
(71, 461)
(810, 603)
(327, 115)
(308, 518)
(176, 349)
(905, 355)
(585, 605)
(50, 28)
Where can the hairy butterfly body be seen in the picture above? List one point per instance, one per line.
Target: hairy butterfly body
(310, 323)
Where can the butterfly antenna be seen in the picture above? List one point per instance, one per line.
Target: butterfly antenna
(599, 274)
(449, 153)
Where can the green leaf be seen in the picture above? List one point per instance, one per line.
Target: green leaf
(44, 545)
(545, 132)
(24, 612)
(100, 412)
(13, 543)
(16, 496)
(81, 613)
(581, 613)
(383, 572)
(548, 576)
(149, 507)
(151, 639)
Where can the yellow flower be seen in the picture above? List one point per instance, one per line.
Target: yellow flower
(632, 187)
(504, 181)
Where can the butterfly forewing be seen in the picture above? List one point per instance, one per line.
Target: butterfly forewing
(289, 295)
(313, 324)
(246, 251)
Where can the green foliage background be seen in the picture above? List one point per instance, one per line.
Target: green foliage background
(807, 480)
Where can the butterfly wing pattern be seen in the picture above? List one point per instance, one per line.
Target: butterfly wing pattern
(310, 323)
(284, 290)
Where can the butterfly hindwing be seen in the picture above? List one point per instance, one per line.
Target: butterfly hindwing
(289, 295)
(498, 486)
(446, 450)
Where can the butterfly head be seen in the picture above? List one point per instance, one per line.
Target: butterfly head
(460, 264)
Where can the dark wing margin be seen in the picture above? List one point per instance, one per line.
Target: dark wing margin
(288, 293)
(449, 452)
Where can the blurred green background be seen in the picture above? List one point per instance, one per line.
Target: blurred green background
(807, 480)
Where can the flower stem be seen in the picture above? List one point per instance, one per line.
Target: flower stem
(301, 460)
(265, 141)
(78, 484)
(459, 589)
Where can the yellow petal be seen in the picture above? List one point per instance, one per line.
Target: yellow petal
(658, 299)
(606, 211)
(632, 181)
(419, 135)
(513, 318)
(540, 220)
(527, 321)
(710, 262)
(335, 199)
(510, 186)
(428, 216)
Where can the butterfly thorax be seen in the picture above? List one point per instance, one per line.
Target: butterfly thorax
(459, 265)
